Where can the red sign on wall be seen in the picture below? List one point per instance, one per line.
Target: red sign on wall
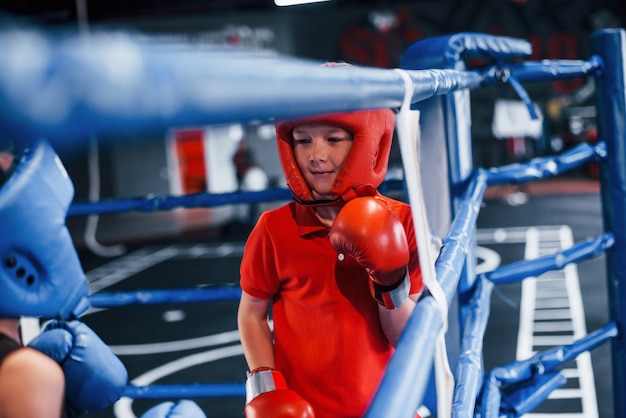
(191, 162)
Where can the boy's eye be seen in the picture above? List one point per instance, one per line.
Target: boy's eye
(301, 141)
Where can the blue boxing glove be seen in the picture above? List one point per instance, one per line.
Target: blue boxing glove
(94, 376)
(182, 409)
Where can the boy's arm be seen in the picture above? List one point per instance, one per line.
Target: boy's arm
(31, 386)
(392, 321)
(267, 393)
(254, 331)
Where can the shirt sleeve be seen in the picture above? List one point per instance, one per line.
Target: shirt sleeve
(258, 276)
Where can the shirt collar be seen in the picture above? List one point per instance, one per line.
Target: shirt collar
(307, 222)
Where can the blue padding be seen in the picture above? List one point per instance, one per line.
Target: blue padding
(117, 82)
(154, 203)
(457, 244)
(589, 248)
(446, 51)
(40, 273)
(545, 167)
(540, 363)
(198, 390)
(151, 297)
(550, 359)
(549, 70)
(75, 90)
(469, 372)
(610, 45)
(520, 399)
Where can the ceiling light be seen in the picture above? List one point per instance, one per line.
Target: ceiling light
(295, 2)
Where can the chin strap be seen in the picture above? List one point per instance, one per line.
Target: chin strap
(406, 122)
(357, 191)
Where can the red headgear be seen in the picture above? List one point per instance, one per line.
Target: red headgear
(366, 165)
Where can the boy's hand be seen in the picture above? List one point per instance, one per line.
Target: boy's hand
(368, 230)
(267, 395)
(94, 376)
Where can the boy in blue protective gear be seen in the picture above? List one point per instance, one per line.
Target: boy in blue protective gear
(66, 370)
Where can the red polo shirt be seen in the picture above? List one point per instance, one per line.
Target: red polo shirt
(328, 342)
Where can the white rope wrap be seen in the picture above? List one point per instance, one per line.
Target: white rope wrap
(406, 121)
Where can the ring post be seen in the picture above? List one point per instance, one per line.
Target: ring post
(610, 46)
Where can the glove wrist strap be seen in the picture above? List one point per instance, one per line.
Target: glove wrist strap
(392, 296)
(261, 380)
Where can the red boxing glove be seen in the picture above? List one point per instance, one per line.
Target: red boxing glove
(371, 232)
(267, 396)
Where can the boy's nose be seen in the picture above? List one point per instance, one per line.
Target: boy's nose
(319, 151)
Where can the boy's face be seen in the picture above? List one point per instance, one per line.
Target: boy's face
(320, 152)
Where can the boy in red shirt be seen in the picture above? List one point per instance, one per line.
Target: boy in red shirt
(338, 268)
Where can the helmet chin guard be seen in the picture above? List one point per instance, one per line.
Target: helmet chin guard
(40, 272)
(366, 165)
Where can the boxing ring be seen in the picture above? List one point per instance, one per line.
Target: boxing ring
(77, 87)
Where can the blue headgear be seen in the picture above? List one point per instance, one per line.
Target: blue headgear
(40, 273)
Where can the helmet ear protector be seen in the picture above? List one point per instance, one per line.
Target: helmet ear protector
(40, 272)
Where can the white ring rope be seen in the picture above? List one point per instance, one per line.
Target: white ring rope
(407, 129)
(94, 195)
